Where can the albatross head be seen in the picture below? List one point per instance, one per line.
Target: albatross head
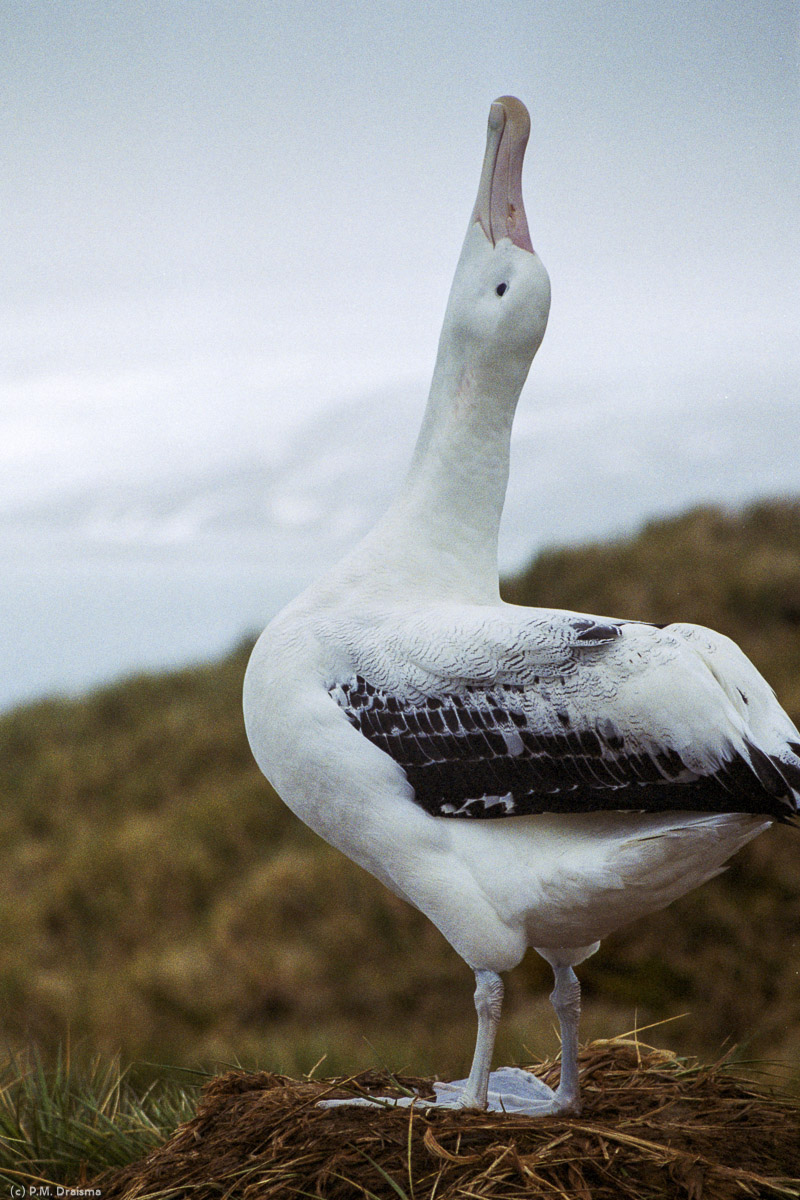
(500, 298)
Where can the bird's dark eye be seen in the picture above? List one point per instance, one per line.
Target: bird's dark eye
(501, 287)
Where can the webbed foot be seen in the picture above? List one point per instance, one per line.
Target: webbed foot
(511, 1090)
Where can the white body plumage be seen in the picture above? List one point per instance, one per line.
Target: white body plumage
(556, 881)
(524, 777)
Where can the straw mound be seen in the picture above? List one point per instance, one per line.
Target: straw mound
(652, 1126)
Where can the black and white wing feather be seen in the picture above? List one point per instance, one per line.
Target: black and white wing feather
(495, 712)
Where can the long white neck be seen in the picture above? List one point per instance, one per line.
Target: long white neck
(445, 521)
(439, 538)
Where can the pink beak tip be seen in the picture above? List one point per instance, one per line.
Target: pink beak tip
(499, 208)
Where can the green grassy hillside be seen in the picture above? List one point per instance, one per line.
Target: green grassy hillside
(159, 900)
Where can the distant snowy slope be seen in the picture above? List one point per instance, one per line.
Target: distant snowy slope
(579, 470)
(331, 479)
(146, 575)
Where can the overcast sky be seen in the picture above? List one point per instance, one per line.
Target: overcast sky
(220, 218)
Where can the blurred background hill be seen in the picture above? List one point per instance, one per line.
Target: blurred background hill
(159, 899)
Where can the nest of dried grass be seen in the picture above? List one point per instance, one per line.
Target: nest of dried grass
(653, 1125)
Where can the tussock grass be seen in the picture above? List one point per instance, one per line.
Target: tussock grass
(64, 1121)
(159, 901)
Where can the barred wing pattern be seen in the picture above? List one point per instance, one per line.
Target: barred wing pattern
(566, 735)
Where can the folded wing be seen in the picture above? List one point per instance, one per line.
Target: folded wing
(497, 712)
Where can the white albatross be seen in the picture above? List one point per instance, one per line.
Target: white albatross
(525, 777)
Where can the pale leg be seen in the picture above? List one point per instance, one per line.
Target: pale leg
(510, 1089)
(566, 1000)
(488, 1005)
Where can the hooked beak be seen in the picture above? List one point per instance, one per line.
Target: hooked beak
(499, 208)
